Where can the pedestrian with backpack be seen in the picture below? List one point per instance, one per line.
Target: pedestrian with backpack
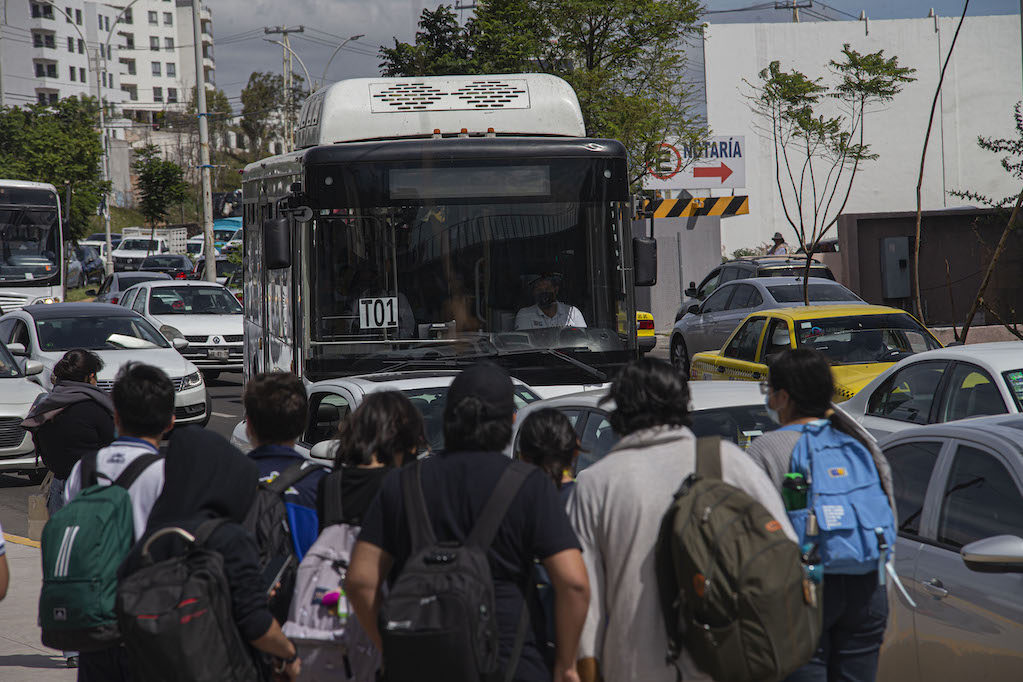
(380, 435)
(192, 602)
(110, 494)
(838, 489)
(617, 509)
(455, 536)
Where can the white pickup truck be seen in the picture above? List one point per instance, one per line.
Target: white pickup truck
(137, 243)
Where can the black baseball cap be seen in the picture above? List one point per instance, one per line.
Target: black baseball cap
(487, 382)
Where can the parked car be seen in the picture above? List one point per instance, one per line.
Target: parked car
(942, 385)
(330, 400)
(225, 268)
(753, 266)
(645, 333)
(177, 265)
(861, 341)
(734, 411)
(959, 495)
(17, 393)
(115, 284)
(74, 275)
(706, 326)
(118, 335)
(206, 315)
(93, 264)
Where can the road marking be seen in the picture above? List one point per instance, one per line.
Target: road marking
(225, 416)
(18, 540)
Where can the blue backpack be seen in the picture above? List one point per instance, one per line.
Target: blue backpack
(847, 513)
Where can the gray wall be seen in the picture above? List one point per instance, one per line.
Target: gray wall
(700, 242)
(120, 173)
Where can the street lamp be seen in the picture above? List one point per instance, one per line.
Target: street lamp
(323, 78)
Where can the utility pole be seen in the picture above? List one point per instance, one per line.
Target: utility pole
(289, 92)
(204, 146)
(3, 22)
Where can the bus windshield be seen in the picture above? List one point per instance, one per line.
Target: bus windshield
(29, 235)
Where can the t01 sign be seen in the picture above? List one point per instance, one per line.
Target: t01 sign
(378, 313)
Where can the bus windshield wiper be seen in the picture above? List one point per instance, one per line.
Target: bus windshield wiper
(561, 355)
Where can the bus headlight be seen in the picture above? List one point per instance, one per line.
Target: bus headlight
(171, 333)
(46, 300)
(192, 381)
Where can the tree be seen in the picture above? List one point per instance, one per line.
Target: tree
(624, 58)
(57, 143)
(814, 123)
(261, 120)
(160, 184)
(220, 114)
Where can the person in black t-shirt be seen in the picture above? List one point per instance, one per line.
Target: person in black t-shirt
(478, 418)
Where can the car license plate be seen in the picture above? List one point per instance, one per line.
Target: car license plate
(217, 354)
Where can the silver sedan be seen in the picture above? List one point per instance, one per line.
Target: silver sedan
(708, 325)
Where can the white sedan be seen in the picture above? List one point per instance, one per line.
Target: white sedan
(43, 333)
(942, 385)
(17, 393)
(332, 399)
(205, 314)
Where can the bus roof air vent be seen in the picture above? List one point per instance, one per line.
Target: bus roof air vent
(457, 95)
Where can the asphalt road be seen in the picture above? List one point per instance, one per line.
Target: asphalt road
(226, 391)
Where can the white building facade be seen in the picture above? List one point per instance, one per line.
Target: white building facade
(981, 86)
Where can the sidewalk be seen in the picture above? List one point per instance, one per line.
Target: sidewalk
(23, 658)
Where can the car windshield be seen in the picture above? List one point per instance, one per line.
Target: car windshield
(162, 262)
(797, 271)
(195, 300)
(97, 333)
(139, 245)
(8, 367)
(863, 339)
(29, 235)
(793, 293)
(222, 234)
(430, 403)
(194, 247)
(1014, 380)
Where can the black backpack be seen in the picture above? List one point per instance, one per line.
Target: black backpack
(267, 520)
(732, 585)
(439, 622)
(175, 616)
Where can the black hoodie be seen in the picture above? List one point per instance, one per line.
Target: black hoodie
(73, 420)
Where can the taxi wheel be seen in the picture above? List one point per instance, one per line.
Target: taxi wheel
(680, 355)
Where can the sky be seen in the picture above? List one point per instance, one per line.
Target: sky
(241, 48)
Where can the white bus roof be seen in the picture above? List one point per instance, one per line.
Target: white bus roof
(393, 108)
(26, 184)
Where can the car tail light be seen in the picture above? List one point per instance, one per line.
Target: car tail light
(179, 275)
(646, 324)
(114, 300)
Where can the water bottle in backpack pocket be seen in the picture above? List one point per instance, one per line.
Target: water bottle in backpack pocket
(847, 511)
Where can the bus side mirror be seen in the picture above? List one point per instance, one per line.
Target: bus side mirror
(277, 243)
(644, 261)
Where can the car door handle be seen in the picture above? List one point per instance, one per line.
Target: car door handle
(935, 588)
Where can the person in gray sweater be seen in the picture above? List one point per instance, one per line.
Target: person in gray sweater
(616, 509)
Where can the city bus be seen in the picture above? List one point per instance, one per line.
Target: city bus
(31, 244)
(429, 223)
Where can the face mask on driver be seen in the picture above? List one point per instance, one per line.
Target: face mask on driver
(544, 298)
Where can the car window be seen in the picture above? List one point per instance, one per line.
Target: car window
(971, 392)
(912, 465)
(709, 284)
(728, 273)
(981, 499)
(743, 345)
(1014, 380)
(755, 298)
(778, 339)
(326, 410)
(139, 305)
(105, 288)
(128, 297)
(6, 327)
(717, 302)
(598, 437)
(740, 424)
(20, 334)
(793, 293)
(908, 394)
(741, 297)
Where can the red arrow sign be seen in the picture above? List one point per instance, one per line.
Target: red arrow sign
(722, 172)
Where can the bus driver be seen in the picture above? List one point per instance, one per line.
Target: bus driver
(547, 311)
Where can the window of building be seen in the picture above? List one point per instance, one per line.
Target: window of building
(172, 69)
(52, 97)
(81, 46)
(102, 51)
(51, 70)
(157, 94)
(70, 44)
(172, 95)
(103, 79)
(156, 69)
(81, 73)
(71, 70)
(154, 43)
(132, 91)
(127, 17)
(168, 43)
(37, 40)
(40, 70)
(68, 14)
(168, 19)
(129, 65)
(99, 17)
(106, 23)
(129, 41)
(78, 17)
(41, 97)
(44, 11)
(154, 19)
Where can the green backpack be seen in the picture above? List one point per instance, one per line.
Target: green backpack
(732, 585)
(82, 546)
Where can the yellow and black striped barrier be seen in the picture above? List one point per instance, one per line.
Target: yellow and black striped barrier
(697, 206)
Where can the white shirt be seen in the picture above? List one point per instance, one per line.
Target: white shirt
(111, 461)
(532, 317)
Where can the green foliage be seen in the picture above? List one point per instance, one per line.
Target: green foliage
(219, 108)
(264, 102)
(160, 184)
(624, 58)
(56, 143)
(1012, 162)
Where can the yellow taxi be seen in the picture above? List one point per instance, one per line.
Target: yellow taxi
(645, 331)
(861, 341)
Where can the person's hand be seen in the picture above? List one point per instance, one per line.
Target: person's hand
(565, 674)
(290, 671)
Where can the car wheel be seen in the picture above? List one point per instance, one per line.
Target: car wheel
(679, 354)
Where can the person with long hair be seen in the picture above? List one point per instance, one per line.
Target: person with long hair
(548, 442)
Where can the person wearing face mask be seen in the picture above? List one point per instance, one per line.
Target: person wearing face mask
(547, 311)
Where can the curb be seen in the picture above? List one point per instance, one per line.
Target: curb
(18, 540)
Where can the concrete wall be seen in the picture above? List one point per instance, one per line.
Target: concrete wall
(687, 249)
(120, 173)
(982, 84)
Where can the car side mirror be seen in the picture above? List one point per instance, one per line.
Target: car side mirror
(91, 292)
(17, 349)
(179, 343)
(691, 292)
(644, 261)
(694, 309)
(33, 367)
(1005, 550)
(277, 243)
(325, 450)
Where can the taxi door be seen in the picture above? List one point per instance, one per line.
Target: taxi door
(738, 359)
